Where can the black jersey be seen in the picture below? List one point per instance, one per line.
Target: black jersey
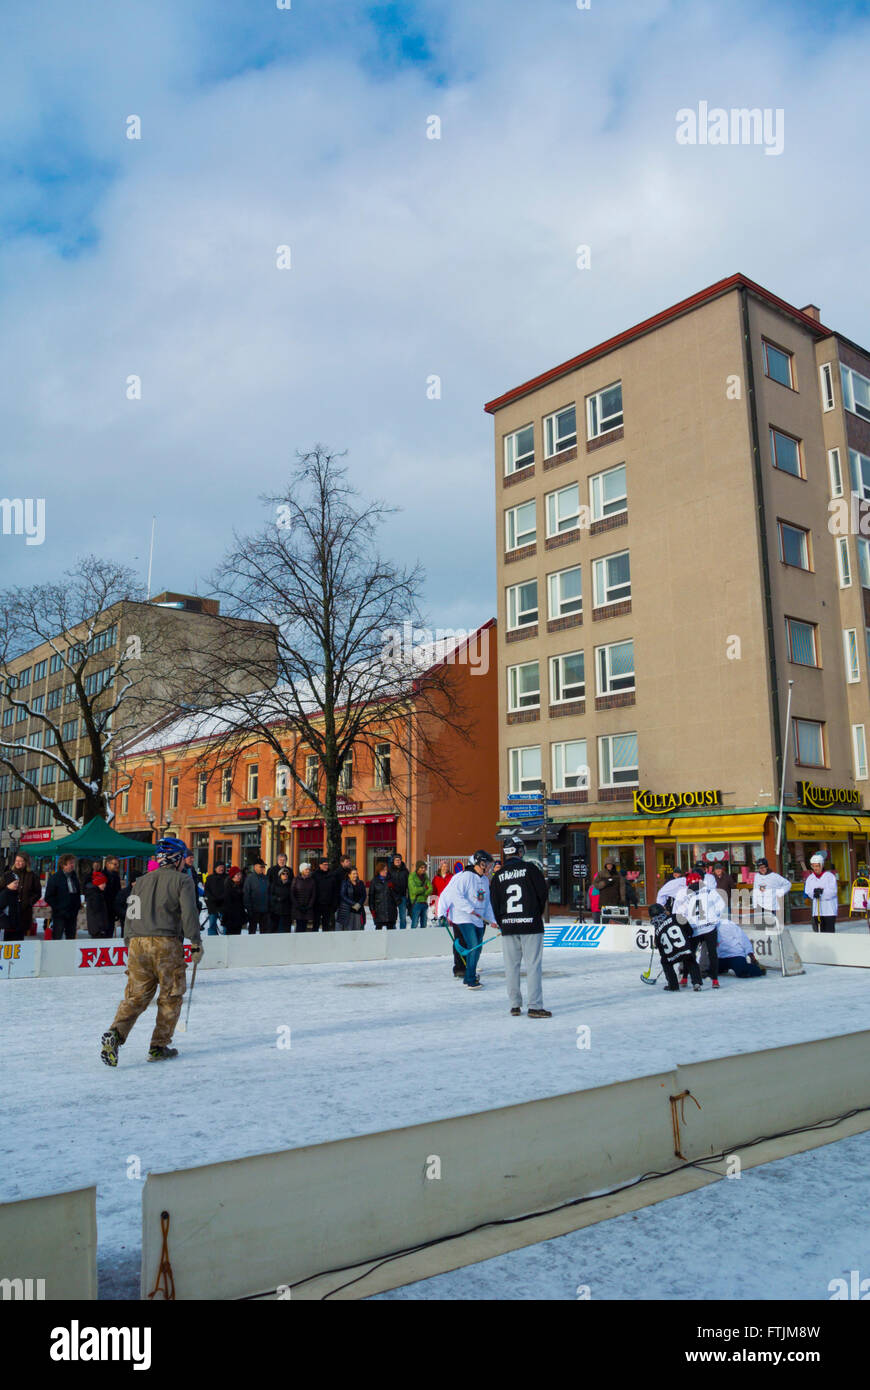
(673, 938)
(518, 893)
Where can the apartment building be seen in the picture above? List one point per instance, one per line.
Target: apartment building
(679, 551)
(38, 699)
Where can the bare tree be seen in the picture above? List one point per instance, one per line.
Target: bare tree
(344, 680)
(69, 619)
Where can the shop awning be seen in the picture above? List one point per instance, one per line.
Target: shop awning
(625, 832)
(747, 827)
(862, 824)
(822, 827)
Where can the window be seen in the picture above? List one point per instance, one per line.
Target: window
(50, 738)
(54, 698)
(382, 765)
(173, 793)
(8, 717)
(345, 777)
(785, 451)
(570, 769)
(604, 410)
(37, 704)
(226, 785)
(607, 493)
(55, 664)
(560, 431)
(809, 742)
(563, 510)
(565, 593)
(125, 801)
(863, 561)
(794, 545)
(23, 678)
(844, 566)
(69, 693)
(617, 760)
(34, 740)
(519, 449)
(84, 766)
(859, 752)
(39, 671)
(522, 604)
(850, 652)
(567, 678)
(611, 579)
(282, 778)
(312, 771)
(65, 808)
(98, 681)
(20, 714)
(615, 668)
(859, 467)
(777, 364)
(45, 815)
(524, 686)
(525, 769)
(202, 788)
(835, 472)
(802, 645)
(826, 379)
(70, 730)
(856, 392)
(253, 781)
(48, 775)
(520, 526)
(27, 816)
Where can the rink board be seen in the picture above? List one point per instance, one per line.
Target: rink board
(51, 1239)
(84, 956)
(259, 1225)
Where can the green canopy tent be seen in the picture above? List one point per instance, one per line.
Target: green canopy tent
(94, 841)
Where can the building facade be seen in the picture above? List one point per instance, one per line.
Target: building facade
(677, 555)
(182, 785)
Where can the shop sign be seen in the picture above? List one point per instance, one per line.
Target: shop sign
(248, 813)
(347, 808)
(31, 836)
(648, 803)
(820, 798)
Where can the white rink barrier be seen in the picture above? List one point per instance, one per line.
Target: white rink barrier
(260, 1225)
(48, 1246)
(19, 960)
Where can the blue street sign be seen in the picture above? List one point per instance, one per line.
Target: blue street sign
(533, 806)
(525, 796)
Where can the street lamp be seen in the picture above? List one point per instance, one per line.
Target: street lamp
(266, 803)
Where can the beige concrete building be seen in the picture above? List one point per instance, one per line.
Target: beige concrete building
(669, 570)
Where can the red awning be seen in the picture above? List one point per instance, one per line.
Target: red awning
(346, 820)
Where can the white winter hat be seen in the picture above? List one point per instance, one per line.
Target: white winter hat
(817, 859)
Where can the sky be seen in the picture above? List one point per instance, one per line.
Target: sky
(409, 257)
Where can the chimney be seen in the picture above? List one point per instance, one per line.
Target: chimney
(812, 311)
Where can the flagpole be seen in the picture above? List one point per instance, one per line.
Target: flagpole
(784, 765)
(151, 554)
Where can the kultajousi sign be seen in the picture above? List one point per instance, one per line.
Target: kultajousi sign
(652, 803)
(822, 797)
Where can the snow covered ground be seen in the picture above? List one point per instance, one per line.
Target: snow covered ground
(782, 1230)
(373, 1045)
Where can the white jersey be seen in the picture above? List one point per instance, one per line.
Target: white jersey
(828, 884)
(702, 910)
(669, 890)
(733, 940)
(466, 899)
(768, 892)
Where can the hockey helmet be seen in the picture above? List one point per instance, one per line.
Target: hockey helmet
(514, 846)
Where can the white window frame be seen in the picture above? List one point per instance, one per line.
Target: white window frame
(516, 701)
(511, 523)
(520, 612)
(173, 792)
(593, 414)
(312, 771)
(847, 379)
(604, 678)
(382, 765)
(600, 591)
(252, 781)
(571, 520)
(606, 740)
(553, 588)
(571, 781)
(345, 776)
(552, 440)
(863, 546)
(148, 799)
(859, 752)
(597, 508)
(857, 474)
(511, 457)
(516, 779)
(844, 563)
(850, 655)
(201, 789)
(766, 347)
(226, 786)
(557, 679)
(835, 472)
(826, 383)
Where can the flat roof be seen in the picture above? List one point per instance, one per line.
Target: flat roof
(685, 306)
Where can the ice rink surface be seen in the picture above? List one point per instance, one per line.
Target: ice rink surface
(372, 1046)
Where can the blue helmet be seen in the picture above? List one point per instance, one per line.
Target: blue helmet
(170, 851)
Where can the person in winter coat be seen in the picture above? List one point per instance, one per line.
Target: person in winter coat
(445, 873)
(442, 878)
(398, 876)
(609, 884)
(382, 898)
(10, 907)
(701, 909)
(326, 886)
(113, 888)
(735, 951)
(302, 896)
(273, 874)
(723, 884)
(465, 903)
(233, 914)
(351, 915)
(64, 896)
(820, 887)
(256, 895)
(96, 906)
(420, 890)
(29, 890)
(280, 901)
(215, 888)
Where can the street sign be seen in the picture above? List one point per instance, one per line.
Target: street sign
(525, 796)
(533, 807)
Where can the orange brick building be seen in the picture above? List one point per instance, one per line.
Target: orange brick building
(387, 801)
